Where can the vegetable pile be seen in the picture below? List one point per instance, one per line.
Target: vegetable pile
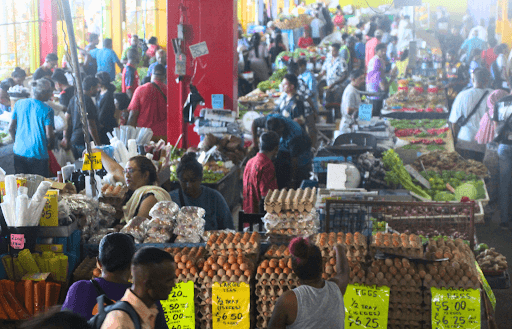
(465, 185)
(421, 123)
(397, 174)
(274, 81)
(492, 261)
(441, 161)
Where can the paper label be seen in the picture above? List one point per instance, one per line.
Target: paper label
(455, 308)
(365, 112)
(199, 49)
(17, 241)
(487, 287)
(50, 214)
(231, 305)
(366, 306)
(217, 101)
(94, 163)
(179, 307)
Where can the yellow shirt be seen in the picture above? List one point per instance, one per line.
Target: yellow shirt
(402, 67)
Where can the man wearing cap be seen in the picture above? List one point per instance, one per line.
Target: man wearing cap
(371, 45)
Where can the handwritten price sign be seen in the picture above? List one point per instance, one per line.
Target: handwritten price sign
(455, 308)
(199, 49)
(179, 307)
(231, 305)
(17, 241)
(366, 306)
(92, 163)
(486, 286)
(50, 214)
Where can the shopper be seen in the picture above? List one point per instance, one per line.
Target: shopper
(161, 58)
(106, 107)
(351, 96)
(339, 19)
(54, 318)
(148, 107)
(74, 135)
(192, 193)
(316, 303)
(63, 87)
(18, 76)
(348, 53)
(122, 101)
(471, 43)
(316, 29)
(499, 69)
(153, 276)
(135, 45)
(376, 81)
(467, 111)
(130, 79)
(152, 48)
(309, 79)
(360, 48)
(457, 74)
(306, 41)
(294, 159)
(489, 56)
(276, 48)
(503, 119)
(454, 41)
(335, 72)
(260, 174)
(329, 26)
(91, 65)
(107, 59)
(291, 104)
(5, 100)
(114, 259)
(46, 69)
(258, 57)
(32, 130)
(392, 50)
(371, 46)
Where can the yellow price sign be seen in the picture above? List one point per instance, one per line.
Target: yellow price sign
(366, 306)
(455, 308)
(231, 305)
(179, 309)
(487, 287)
(93, 162)
(50, 214)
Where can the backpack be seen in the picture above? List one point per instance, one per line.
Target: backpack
(97, 321)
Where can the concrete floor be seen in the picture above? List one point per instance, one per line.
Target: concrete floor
(501, 239)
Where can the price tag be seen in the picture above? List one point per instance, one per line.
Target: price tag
(487, 287)
(17, 241)
(94, 163)
(231, 305)
(455, 308)
(50, 214)
(199, 49)
(179, 307)
(366, 306)
(365, 112)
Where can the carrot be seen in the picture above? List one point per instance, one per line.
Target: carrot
(29, 296)
(10, 312)
(21, 312)
(8, 285)
(52, 294)
(20, 291)
(39, 290)
(3, 315)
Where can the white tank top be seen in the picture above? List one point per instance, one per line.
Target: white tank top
(319, 307)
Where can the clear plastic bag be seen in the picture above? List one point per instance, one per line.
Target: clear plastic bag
(190, 224)
(136, 228)
(164, 210)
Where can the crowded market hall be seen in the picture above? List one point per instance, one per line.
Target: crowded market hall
(173, 164)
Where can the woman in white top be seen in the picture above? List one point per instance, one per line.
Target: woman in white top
(316, 303)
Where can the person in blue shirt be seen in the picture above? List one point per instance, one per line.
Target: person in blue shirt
(294, 159)
(161, 58)
(472, 43)
(309, 79)
(106, 59)
(32, 130)
(360, 48)
(192, 193)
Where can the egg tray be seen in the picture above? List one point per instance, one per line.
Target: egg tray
(413, 313)
(84, 270)
(300, 200)
(277, 251)
(249, 243)
(413, 253)
(406, 297)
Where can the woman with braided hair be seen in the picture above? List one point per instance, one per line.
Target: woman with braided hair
(316, 302)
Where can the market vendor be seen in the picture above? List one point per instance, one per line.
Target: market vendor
(335, 71)
(141, 178)
(192, 193)
(294, 159)
(291, 104)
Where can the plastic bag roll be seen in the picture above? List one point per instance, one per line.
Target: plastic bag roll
(11, 187)
(132, 146)
(123, 152)
(23, 190)
(8, 215)
(21, 211)
(37, 203)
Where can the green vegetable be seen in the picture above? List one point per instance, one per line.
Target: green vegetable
(466, 190)
(444, 196)
(397, 173)
(411, 147)
(481, 247)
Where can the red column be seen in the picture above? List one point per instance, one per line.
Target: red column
(48, 13)
(215, 73)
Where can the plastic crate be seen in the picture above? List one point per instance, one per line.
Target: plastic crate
(320, 163)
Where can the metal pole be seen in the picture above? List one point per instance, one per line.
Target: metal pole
(78, 81)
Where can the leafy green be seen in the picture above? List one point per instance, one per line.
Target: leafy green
(398, 174)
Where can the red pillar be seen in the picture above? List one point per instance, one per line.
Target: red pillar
(49, 14)
(215, 73)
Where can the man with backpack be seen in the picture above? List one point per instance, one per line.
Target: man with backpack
(153, 275)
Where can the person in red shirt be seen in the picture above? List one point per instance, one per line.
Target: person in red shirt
(306, 40)
(260, 174)
(130, 80)
(370, 46)
(339, 19)
(148, 107)
(489, 56)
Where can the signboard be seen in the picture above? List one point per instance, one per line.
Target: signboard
(199, 49)
(179, 307)
(231, 305)
(17, 241)
(92, 163)
(366, 306)
(365, 112)
(455, 308)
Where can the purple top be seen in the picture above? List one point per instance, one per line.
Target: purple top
(375, 75)
(81, 296)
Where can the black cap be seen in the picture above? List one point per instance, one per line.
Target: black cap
(60, 77)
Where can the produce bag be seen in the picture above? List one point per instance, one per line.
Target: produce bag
(190, 224)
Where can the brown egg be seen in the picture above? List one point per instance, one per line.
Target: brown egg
(200, 263)
(177, 258)
(209, 261)
(211, 273)
(260, 270)
(215, 267)
(231, 259)
(289, 263)
(221, 272)
(243, 267)
(189, 264)
(221, 260)
(235, 266)
(185, 271)
(247, 273)
(178, 272)
(193, 270)
(240, 261)
(332, 261)
(273, 263)
(269, 270)
(229, 272)
(264, 264)
(206, 268)
(181, 266)
(184, 258)
(238, 272)
(226, 266)
(243, 241)
(209, 243)
(282, 263)
(287, 270)
(278, 270)
(202, 274)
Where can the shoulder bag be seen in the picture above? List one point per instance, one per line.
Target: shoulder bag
(160, 90)
(462, 121)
